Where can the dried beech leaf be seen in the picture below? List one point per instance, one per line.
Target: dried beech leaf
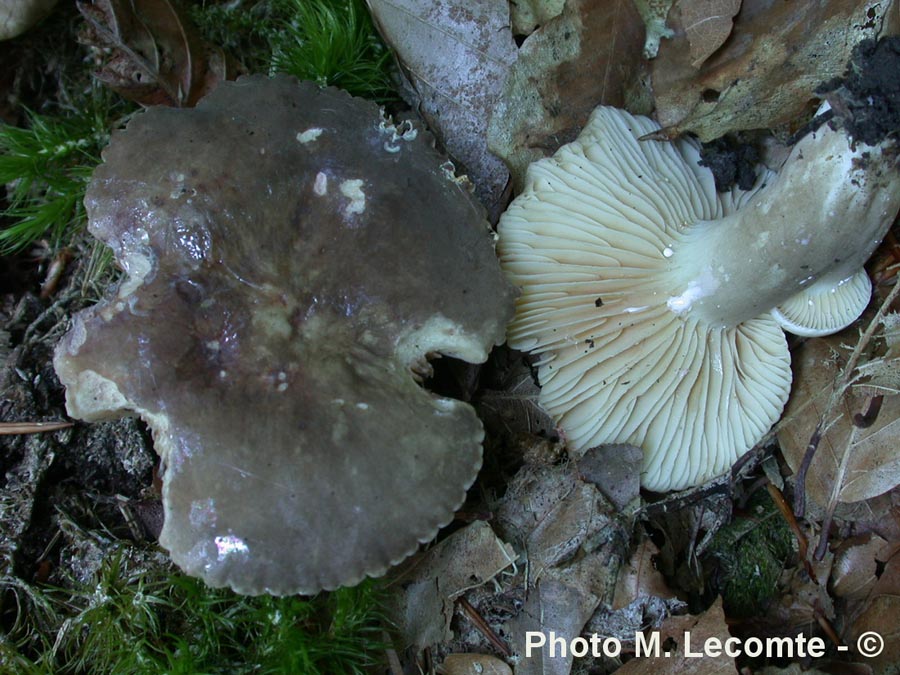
(707, 24)
(701, 627)
(466, 559)
(765, 74)
(855, 570)
(864, 461)
(456, 55)
(155, 56)
(588, 55)
(640, 578)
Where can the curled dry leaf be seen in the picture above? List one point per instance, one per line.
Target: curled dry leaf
(851, 462)
(155, 55)
(456, 56)
(766, 73)
(707, 24)
(588, 55)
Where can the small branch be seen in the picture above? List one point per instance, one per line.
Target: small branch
(483, 627)
(16, 428)
(800, 482)
(867, 419)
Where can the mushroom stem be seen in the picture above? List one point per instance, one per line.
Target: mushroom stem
(819, 220)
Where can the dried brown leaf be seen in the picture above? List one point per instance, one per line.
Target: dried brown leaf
(882, 617)
(863, 461)
(433, 580)
(855, 570)
(707, 24)
(587, 56)
(764, 75)
(702, 627)
(640, 578)
(616, 471)
(456, 55)
(155, 56)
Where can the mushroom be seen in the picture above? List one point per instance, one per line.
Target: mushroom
(657, 304)
(290, 256)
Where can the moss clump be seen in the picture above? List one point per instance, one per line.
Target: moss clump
(134, 619)
(46, 165)
(331, 42)
(746, 558)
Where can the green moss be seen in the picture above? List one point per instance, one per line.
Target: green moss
(46, 165)
(131, 619)
(332, 42)
(748, 556)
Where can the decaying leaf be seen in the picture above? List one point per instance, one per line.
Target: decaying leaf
(616, 471)
(474, 664)
(588, 55)
(526, 15)
(552, 605)
(674, 631)
(155, 55)
(432, 581)
(863, 461)
(509, 405)
(456, 56)
(766, 73)
(640, 578)
(572, 543)
(882, 375)
(855, 570)
(881, 619)
(707, 24)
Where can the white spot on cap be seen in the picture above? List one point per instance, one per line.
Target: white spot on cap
(320, 187)
(309, 135)
(352, 189)
(668, 252)
(229, 545)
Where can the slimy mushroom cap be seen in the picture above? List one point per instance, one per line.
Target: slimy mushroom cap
(291, 256)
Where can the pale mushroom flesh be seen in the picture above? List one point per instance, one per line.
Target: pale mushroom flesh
(290, 257)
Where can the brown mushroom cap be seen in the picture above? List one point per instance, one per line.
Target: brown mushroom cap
(291, 255)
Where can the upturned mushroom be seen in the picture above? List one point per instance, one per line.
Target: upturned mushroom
(291, 257)
(657, 304)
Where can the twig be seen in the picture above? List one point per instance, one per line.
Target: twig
(483, 627)
(827, 627)
(14, 428)
(802, 541)
(800, 482)
(867, 419)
